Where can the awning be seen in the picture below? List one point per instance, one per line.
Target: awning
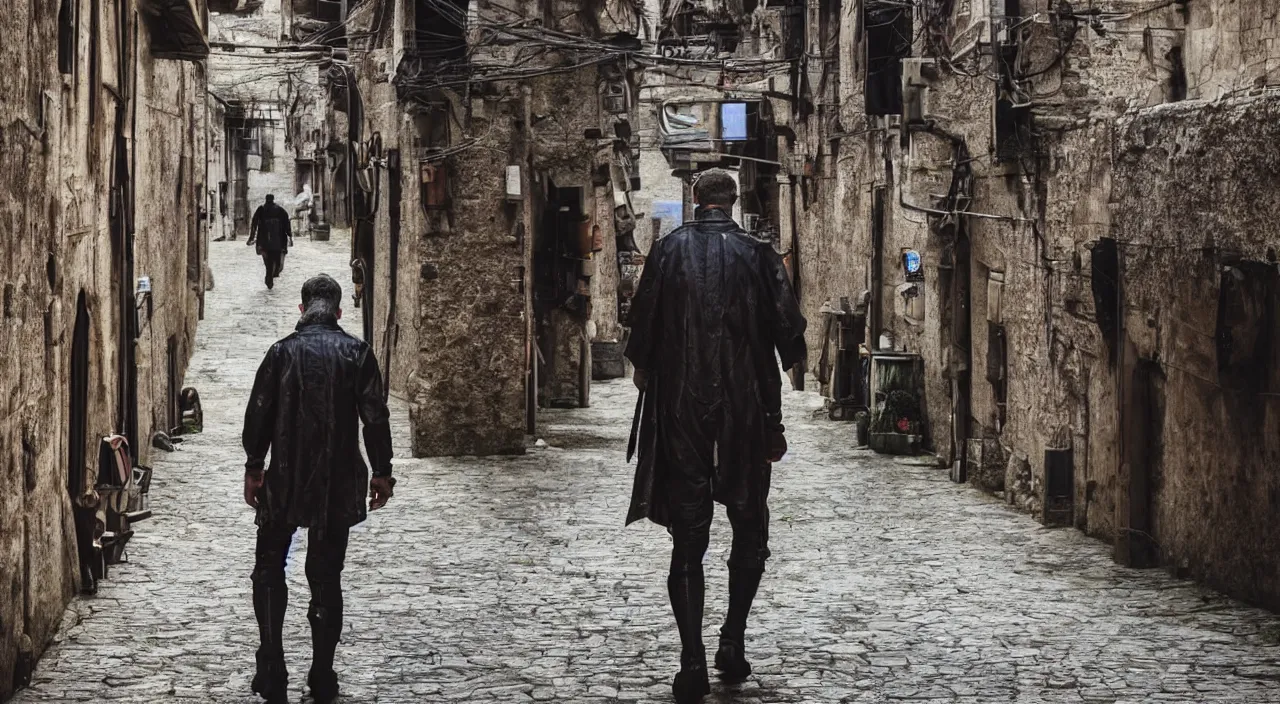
(175, 31)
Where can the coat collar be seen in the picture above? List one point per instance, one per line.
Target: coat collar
(702, 214)
(323, 319)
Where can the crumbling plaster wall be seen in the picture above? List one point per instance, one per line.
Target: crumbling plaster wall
(1231, 45)
(1184, 165)
(1193, 191)
(56, 149)
(170, 244)
(468, 394)
(33, 504)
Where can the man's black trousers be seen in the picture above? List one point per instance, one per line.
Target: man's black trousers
(690, 460)
(274, 263)
(326, 553)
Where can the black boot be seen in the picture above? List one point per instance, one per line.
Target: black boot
(323, 685)
(326, 628)
(731, 659)
(687, 590)
(270, 598)
(271, 682)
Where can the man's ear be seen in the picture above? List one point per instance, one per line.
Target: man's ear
(301, 309)
(339, 314)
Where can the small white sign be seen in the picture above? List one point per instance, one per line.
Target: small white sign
(144, 284)
(513, 181)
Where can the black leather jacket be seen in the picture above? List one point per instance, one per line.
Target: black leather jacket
(312, 391)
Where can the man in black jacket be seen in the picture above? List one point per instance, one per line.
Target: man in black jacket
(273, 233)
(313, 390)
(712, 307)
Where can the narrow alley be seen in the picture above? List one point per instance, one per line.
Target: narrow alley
(513, 579)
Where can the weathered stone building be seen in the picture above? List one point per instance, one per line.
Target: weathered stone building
(493, 165)
(268, 68)
(1089, 189)
(1084, 187)
(102, 264)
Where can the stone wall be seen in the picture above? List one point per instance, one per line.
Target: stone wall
(1174, 185)
(283, 89)
(1196, 219)
(63, 250)
(462, 335)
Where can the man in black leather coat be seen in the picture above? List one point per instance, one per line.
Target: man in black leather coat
(712, 307)
(313, 390)
(273, 233)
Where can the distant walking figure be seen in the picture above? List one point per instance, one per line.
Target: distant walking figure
(712, 307)
(273, 233)
(313, 390)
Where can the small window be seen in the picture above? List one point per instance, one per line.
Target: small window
(887, 27)
(67, 37)
(1104, 266)
(1177, 75)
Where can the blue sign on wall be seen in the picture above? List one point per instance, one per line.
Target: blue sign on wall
(913, 266)
(733, 121)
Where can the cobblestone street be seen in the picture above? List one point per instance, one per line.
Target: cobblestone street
(513, 579)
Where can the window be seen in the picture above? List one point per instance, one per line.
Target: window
(1104, 262)
(1177, 75)
(439, 30)
(887, 28)
(67, 37)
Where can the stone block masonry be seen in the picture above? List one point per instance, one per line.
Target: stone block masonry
(102, 167)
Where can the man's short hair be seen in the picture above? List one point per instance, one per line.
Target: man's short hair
(271, 198)
(324, 288)
(715, 187)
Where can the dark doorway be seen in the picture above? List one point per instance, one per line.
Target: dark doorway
(561, 298)
(171, 363)
(78, 413)
(77, 438)
(874, 316)
(961, 353)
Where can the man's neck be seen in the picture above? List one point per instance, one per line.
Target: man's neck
(318, 315)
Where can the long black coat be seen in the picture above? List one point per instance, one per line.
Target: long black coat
(271, 227)
(312, 391)
(712, 307)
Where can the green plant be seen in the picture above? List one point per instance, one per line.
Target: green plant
(899, 406)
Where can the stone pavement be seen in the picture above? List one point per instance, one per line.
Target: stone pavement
(514, 580)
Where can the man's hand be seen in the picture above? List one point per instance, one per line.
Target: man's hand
(641, 379)
(380, 491)
(290, 241)
(777, 445)
(252, 485)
